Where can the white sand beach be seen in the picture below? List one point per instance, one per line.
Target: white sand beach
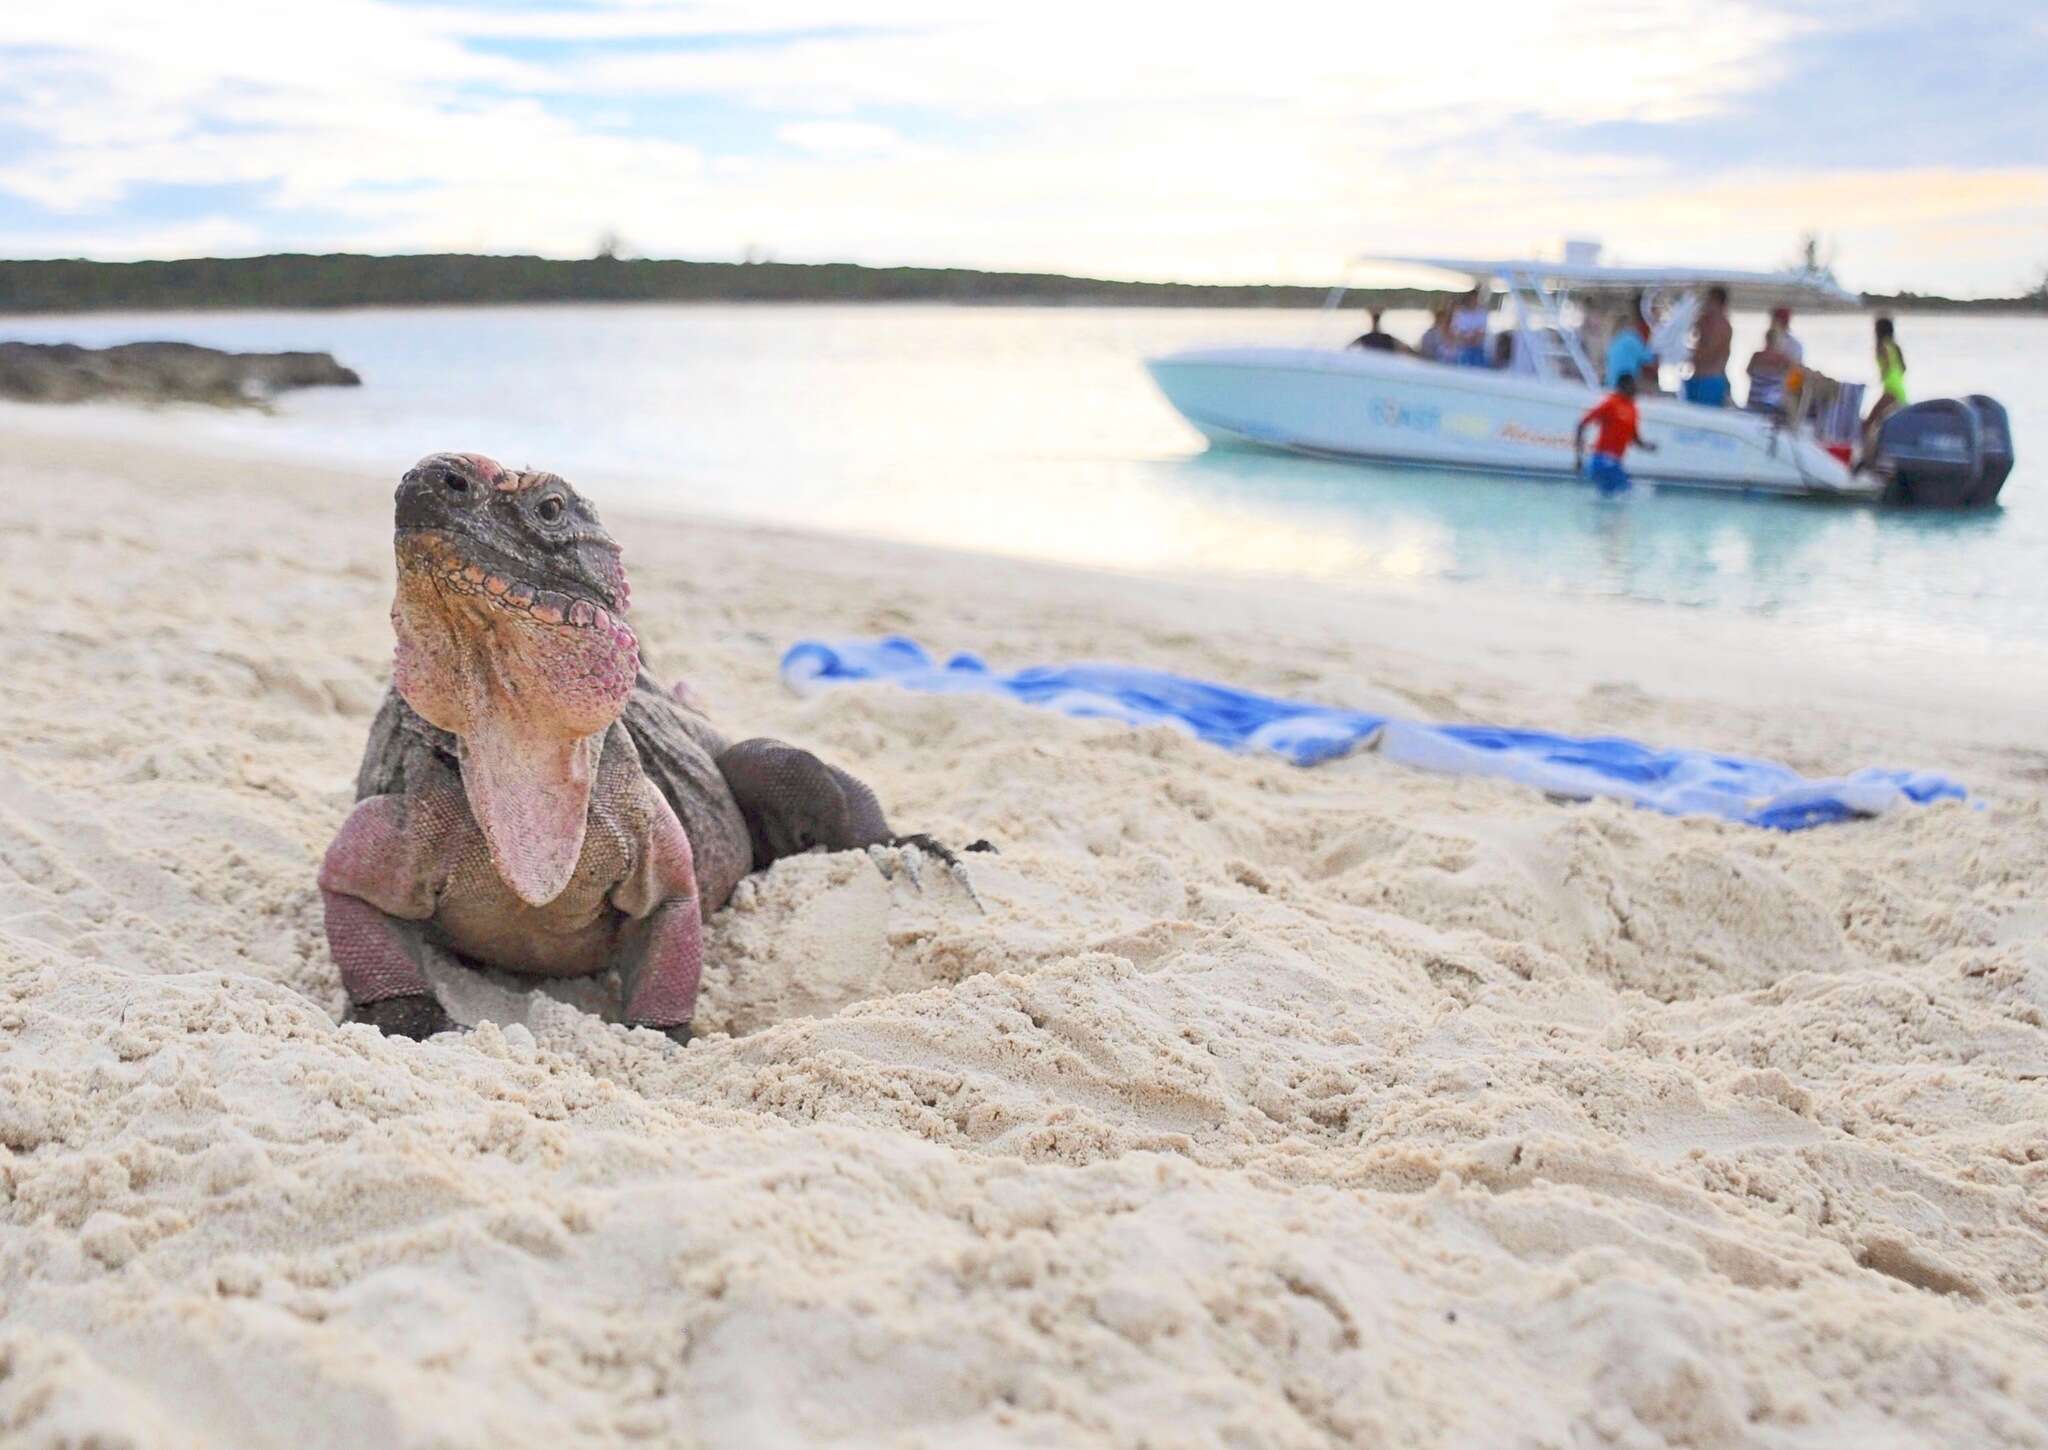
(1262, 1107)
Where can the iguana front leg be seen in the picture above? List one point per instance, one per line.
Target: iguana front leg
(375, 891)
(661, 944)
(795, 802)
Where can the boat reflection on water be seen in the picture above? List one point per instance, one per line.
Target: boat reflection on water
(1676, 546)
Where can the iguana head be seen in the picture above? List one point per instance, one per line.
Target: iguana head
(512, 637)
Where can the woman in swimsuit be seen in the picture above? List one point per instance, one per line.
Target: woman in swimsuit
(1891, 380)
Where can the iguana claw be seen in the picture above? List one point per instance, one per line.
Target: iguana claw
(907, 849)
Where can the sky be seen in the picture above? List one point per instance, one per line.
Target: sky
(1261, 142)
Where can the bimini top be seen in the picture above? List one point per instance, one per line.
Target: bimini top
(1745, 289)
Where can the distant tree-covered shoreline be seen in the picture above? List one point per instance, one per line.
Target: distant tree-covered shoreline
(450, 279)
(2034, 303)
(346, 280)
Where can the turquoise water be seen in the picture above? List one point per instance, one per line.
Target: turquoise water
(1034, 431)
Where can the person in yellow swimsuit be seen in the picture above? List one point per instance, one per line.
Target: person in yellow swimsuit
(1891, 381)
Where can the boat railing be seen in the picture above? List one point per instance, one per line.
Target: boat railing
(1554, 347)
(1835, 413)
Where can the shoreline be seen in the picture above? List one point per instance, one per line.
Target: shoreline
(1945, 688)
(354, 279)
(1338, 1104)
(1355, 300)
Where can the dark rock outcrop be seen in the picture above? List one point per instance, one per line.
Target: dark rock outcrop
(161, 372)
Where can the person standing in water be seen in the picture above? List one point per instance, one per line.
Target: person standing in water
(1713, 338)
(1616, 417)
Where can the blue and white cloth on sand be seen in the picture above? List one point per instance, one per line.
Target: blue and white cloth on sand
(1676, 781)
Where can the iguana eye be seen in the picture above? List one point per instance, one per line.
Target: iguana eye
(550, 509)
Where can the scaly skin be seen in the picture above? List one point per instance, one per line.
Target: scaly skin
(529, 799)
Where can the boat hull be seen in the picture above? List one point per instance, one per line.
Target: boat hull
(1383, 408)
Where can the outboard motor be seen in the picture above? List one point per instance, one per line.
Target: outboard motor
(1946, 453)
(1994, 443)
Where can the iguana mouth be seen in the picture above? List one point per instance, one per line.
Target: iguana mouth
(459, 564)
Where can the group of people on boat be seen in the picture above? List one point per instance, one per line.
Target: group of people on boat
(1456, 335)
(1777, 371)
(1621, 350)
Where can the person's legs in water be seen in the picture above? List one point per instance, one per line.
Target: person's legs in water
(1607, 475)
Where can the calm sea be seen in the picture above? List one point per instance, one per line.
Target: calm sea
(1034, 431)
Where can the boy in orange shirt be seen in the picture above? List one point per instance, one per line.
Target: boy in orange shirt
(1616, 415)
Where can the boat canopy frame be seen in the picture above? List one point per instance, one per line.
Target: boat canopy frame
(1539, 292)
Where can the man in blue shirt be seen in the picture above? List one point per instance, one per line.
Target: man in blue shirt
(1630, 353)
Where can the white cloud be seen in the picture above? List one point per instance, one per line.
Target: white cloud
(843, 138)
(1588, 59)
(1120, 140)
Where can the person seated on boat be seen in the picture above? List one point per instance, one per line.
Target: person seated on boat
(1617, 419)
(1375, 339)
(1770, 364)
(1767, 368)
(1468, 330)
(1628, 353)
(1503, 352)
(1713, 337)
(1891, 381)
(1436, 341)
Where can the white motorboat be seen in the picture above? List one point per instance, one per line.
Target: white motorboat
(1387, 408)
